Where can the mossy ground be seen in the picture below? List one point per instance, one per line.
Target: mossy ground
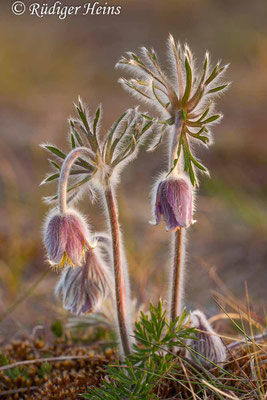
(68, 369)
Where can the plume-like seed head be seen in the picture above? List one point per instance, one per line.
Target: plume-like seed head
(208, 346)
(66, 238)
(84, 289)
(174, 202)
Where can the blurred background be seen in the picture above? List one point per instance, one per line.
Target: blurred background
(46, 63)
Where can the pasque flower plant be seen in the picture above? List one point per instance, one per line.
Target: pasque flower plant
(185, 106)
(96, 162)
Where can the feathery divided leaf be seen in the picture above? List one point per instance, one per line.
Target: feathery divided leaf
(150, 361)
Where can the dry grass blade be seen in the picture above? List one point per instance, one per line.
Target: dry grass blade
(254, 360)
(189, 382)
(256, 339)
(216, 390)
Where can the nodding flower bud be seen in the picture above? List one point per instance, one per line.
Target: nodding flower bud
(84, 289)
(65, 238)
(208, 346)
(174, 202)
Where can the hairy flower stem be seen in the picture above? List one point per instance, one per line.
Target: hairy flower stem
(174, 140)
(177, 275)
(119, 273)
(64, 175)
(176, 278)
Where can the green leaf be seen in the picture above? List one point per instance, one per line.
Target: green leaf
(146, 127)
(50, 178)
(82, 115)
(205, 65)
(178, 155)
(114, 127)
(134, 56)
(57, 328)
(116, 141)
(188, 82)
(154, 55)
(73, 145)
(199, 91)
(109, 138)
(72, 187)
(212, 75)
(211, 119)
(54, 164)
(192, 174)
(187, 161)
(132, 86)
(173, 167)
(158, 141)
(78, 137)
(195, 124)
(55, 151)
(197, 164)
(184, 114)
(217, 89)
(156, 96)
(147, 117)
(97, 115)
(204, 114)
(61, 155)
(197, 135)
(80, 183)
(204, 139)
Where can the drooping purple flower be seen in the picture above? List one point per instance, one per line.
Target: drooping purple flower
(65, 238)
(174, 202)
(208, 348)
(83, 289)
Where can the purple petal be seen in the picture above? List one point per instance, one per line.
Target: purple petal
(84, 288)
(174, 203)
(76, 239)
(182, 202)
(56, 238)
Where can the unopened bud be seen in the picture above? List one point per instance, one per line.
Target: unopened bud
(84, 289)
(208, 346)
(174, 202)
(65, 238)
